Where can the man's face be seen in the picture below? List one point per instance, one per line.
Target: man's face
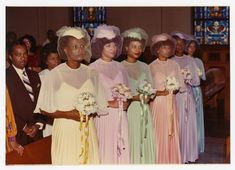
(19, 56)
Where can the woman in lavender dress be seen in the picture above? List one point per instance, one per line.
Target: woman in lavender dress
(112, 127)
(186, 103)
(192, 49)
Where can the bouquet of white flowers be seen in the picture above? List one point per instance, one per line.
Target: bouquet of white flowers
(186, 74)
(199, 72)
(86, 103)
(145, 88)
(121, 92)
(171, 83)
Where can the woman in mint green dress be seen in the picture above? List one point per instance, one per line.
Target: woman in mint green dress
(141, 138)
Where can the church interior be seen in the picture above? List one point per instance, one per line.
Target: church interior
(211, 29)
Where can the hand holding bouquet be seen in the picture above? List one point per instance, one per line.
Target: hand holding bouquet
(186, 74)
(86, 103)
(121, 92)
(145, 89)
(171, 84)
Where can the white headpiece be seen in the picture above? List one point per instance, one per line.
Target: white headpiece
(75, 32)
(106, 31)
(71, 31)
(136, 33)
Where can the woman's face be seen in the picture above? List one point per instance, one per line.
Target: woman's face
(134, 49)
(192, 48)
(109, 50)
(165, 51)
(28, 43)
(53, 60)
(75, 49)
(180, 45)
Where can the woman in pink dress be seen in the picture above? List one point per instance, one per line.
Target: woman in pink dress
(165, 116)
(185, 102)
(112, 129)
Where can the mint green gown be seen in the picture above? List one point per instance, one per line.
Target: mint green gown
(141, 139)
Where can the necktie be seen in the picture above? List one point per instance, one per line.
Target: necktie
(28, 85)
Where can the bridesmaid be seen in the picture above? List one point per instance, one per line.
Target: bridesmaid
(112, 129)
(74, 138)
(139, 116)
(192, 49)
(186, 103)
(165, 115)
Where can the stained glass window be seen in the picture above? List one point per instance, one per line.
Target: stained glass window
(89, 17)
(211, 25)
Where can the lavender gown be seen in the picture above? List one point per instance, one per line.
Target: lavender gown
(107, 125)
(187, 113)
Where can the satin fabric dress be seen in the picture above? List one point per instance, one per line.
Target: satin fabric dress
(187, 112)
(112, 129)
(141, 139)
(60, 90)
(165, 114)
(199, 107)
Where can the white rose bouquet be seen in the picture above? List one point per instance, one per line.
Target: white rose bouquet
(121, 92)
(86, 103)
(171, 83)
(145, 88)
(186, 74)
(199, 72)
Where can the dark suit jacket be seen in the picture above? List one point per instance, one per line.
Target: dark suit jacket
(22, 105)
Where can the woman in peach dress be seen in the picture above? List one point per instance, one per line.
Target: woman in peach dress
(165, 116)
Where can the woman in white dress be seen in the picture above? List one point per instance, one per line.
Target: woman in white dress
(58, 95)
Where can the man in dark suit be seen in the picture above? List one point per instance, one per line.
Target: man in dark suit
(24, 95)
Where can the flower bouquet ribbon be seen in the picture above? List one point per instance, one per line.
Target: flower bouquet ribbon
(145, 91)
(171, 84)
(121, 93)
(86, 105)
(187, 79)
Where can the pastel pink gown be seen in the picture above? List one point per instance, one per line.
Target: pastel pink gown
(165, 115)
(107, 125)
